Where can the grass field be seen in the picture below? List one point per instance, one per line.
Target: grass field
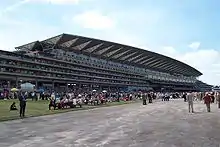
(40, 108)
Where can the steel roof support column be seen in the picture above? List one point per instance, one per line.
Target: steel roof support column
(53, 85)
(36, 84)
(67, 87)
(17, 82)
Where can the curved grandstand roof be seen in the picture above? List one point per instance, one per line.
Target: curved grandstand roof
(113, 51)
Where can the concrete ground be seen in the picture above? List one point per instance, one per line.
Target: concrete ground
(162, 124)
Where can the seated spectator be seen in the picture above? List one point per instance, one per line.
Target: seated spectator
(79, 102)
(13, 107)
(86, 101)
(52, 104)
(74, 102)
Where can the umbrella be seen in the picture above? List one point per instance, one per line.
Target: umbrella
(40, 90)
(94, 90)
(14, 89)
(27, 87)
(104, 91)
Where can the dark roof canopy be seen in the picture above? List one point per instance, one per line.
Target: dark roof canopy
(113, 51)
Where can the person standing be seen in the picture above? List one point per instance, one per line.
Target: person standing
(190, 98)
(207, 101)
(218, 99)
(202, 95)
(184, 97)
(79, 101)
(212, 97)
(22, 99)
(150, 98)
(144, 98)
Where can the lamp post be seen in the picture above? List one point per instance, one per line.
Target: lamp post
(8, 85)
(67, 88)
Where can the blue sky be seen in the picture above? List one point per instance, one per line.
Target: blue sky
(185, 30)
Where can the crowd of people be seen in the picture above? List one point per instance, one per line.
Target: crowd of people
(208, 98)
(72, 100)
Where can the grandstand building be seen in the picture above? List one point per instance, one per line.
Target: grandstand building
(74, 61)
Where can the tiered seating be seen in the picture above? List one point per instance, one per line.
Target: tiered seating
(201, 86)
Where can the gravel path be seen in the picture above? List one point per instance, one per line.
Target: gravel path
(162, 124)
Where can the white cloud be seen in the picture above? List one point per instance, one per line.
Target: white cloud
(202, 58)
(13, 7)
(9, 22)
(194, 45)
(94, 20)
(169, 50)
(23, 2)
(205, 60)
(58, 1)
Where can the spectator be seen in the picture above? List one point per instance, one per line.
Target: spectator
(190, 98)
(22, 99)
(13, 107)
(207, 101)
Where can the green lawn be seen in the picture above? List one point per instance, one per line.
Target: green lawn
(40, 108)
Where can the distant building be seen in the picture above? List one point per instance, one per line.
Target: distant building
(216, 88)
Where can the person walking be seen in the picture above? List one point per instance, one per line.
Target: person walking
(207, 101)
(190, 98)
(22, 99)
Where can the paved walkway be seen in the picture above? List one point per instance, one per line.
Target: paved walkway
(162, 124)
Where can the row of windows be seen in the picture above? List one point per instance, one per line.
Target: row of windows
(61, 76)
(51, 62)
(34, 67)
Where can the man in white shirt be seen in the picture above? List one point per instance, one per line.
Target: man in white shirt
(190, 98)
